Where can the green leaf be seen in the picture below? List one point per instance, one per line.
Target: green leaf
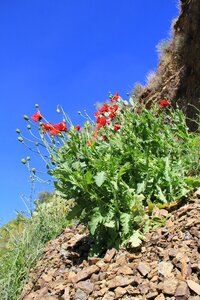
(89, 177)
(160, 195)
(95, 220)
(135, 239)
(100, 178)
(75, 212)
(125, 222)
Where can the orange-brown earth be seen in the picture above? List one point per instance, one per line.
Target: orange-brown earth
(166, 267)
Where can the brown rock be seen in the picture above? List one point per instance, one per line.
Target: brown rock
(109, 296)
(109, 255)
(125, 270)
(151, 295)
(119, 292)
(121, 260)
(160, 297)
(182, 291)
(165, 269)
(120, 281)
(80, 295)
(85, 273)
(194, 286)
(86, 286)
(144, 268)
(144, 288)
(169, 286)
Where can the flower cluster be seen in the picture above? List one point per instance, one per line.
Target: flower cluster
(54, 129)
(164, 103)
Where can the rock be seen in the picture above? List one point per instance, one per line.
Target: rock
(125, 270)
(80, 295)
(109, 255)
(182, 291)
(151, 295)
(109, 296)
(144, 268)
(194, 286)
(169, 286)
(165, 269)
(86, 286)
(120, 281)
(119, 292)
(144, 288)
(85, 273)
(160, 297)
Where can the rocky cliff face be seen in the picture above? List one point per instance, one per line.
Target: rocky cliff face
(178, 74)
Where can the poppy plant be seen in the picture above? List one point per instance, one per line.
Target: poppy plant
(102, 121)
(115, 97)
(78, 127)
(117, 127)
(164, 103)
(37, 117)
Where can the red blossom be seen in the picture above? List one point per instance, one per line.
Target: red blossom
(61, 126)
(89, 143)
(117, 127)
(102, 121)
(46, 127)
(112, 115)
(104, 108)
(37, 117)
(115, 97)
(78, 127)
(97, 114)
(164, 103)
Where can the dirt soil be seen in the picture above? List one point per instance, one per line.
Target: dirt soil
(166, 267)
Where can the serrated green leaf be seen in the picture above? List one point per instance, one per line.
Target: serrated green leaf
(95, 220)
(135, 239)
(100, 178)
(89, 177)
(125, 222)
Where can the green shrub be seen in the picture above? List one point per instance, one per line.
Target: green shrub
(116, 168)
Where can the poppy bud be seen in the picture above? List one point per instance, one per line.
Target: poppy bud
(79, 112)
(23, 161)
(17, 130)
(58, 111)
(36, 144)
(20, 139)
(26, 118)
(33, 170)
(28, 158)
(36, 105)
(29, 127)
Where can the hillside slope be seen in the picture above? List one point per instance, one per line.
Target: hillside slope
(166, 267)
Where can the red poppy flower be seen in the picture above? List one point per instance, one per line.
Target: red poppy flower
(54, 130)
(101, 120)
(104, 108)
(115, 97)
(112, 115)
(117, 127)
(164, 103)
(46, 127)
(78, 127)
(115, 107)
(97, 114)
(37, 117)
(61, 126)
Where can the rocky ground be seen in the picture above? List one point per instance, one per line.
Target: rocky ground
(166, 267)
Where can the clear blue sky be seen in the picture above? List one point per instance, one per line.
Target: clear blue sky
(68, 52)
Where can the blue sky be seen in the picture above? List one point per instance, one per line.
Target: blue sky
(68, 52)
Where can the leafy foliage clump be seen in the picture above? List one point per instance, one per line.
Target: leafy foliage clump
(120, 166)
